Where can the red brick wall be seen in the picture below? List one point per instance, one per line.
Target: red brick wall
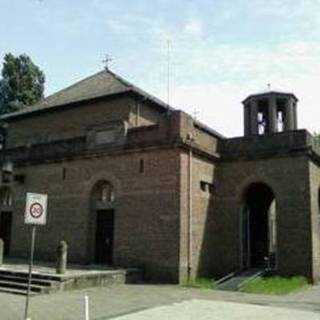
(146, 210)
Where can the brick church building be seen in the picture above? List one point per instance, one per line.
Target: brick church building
(132, 182)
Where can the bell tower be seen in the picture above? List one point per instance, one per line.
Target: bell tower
(270, 112)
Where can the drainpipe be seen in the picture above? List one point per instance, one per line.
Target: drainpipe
(190, 139)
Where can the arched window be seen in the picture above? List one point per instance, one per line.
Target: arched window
(103, 191)
(5, 197)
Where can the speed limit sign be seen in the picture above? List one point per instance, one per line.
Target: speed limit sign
(36, 209)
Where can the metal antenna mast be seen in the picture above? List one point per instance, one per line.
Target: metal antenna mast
(168, 71)
(196, 113)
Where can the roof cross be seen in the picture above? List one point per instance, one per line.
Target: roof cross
(107, 61)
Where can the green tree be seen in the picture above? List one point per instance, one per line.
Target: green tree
(317, 136)
(21, 84)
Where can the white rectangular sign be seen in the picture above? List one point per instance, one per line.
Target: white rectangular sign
(36, 209)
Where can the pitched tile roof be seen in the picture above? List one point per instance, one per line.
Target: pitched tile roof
(101, 84)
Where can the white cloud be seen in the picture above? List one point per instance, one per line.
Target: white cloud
(215, 77)
(208, 75)
(215, 81)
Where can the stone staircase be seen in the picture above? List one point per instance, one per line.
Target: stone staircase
(16, 282)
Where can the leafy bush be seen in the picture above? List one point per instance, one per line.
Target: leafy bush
(201, 283)
(275, 285)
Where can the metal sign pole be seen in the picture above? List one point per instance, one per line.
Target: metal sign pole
(26, 314)
(35, 214)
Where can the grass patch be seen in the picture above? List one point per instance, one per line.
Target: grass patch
(275, 285)
(201, 283)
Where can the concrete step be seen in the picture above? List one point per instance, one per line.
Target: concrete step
(16, 282)
(19, 279)
(23, 286)
(24, 274)
(21, 292)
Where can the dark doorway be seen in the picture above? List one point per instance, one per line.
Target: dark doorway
(259, 227)
(5, 230)
(104, 237)
(319, 202)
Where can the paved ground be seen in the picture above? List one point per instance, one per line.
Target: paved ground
(122, 301)
(217, 310)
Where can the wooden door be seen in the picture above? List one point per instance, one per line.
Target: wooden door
(104, 237)
(5, 230)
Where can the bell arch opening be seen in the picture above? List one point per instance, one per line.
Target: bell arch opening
(259, 227)
(102, 201)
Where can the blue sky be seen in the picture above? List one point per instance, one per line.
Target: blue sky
(221, 50)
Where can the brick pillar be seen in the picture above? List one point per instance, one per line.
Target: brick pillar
(246, 119)
(254, 116)
(181, 125)
(295, 116)
(272, 115)
(289, 116)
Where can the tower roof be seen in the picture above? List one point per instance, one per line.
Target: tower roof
(269, 93)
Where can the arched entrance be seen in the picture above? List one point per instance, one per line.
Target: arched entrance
(319, 206)
(5, 218)
(259, 227)
(102, 198)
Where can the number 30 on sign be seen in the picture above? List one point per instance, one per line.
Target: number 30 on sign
(36, 209)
